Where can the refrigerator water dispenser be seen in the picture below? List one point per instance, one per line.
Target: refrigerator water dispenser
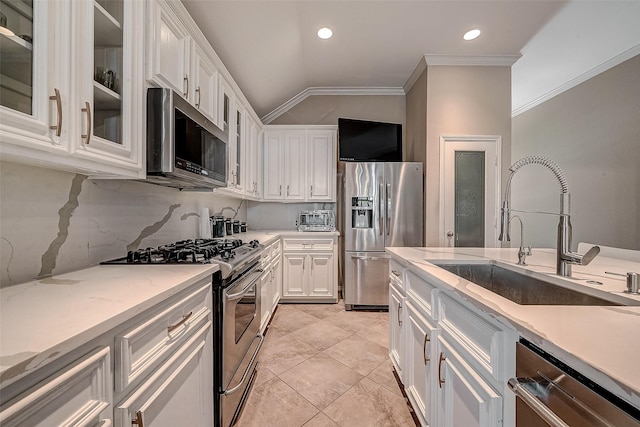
(362, 212)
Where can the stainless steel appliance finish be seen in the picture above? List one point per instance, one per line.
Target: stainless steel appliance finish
(551, 393)
(236, 312)
(241, 341)
(317, 220)
(184, 149)
(382, 208)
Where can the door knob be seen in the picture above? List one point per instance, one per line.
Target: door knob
(449, 233)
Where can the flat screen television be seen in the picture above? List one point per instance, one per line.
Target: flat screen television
(364, 141)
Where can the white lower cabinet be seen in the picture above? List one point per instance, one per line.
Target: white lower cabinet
(309, 270)
(396, 330)
(452, 358)
(464, 397)
(153, 370)
(179, 393)
(420, 376)
(270, 283)
(78, 395)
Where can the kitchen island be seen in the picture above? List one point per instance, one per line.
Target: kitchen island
(598, 341)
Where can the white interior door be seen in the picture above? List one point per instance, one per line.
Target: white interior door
(469, 190)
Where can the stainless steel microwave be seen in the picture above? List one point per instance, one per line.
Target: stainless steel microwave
(184, 149)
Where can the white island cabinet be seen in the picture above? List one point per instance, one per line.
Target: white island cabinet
(452, 359)
(460, 338)
(137, 349)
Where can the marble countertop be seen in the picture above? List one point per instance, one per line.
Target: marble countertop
(44, 319)
(599, 342)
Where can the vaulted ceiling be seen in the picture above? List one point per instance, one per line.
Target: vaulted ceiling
(272, 50)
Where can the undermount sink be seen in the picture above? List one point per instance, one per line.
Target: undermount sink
(521, 288)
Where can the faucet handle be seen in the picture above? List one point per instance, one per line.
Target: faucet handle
(590, 255)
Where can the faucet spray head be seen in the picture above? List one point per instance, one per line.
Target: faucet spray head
(504, 223)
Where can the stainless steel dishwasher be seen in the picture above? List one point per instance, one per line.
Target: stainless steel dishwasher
(552, 393)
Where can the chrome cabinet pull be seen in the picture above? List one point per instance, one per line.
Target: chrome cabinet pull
(399, 310)
(303, 262)
(424, 349)
(535, 404)
(58, 99)
(185, 317)
(312, 191)
(440, 379)
(396, 273)
(186, 80)
(287, 190)
(87, 109)
(280, 191)
(138, 421)
(198, 92)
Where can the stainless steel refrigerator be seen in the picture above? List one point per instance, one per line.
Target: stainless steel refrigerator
(383, 205)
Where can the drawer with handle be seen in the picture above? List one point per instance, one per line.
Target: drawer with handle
(308, 244)
(141, 348)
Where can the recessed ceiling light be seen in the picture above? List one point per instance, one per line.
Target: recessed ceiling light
(472, 34)
(325, 33)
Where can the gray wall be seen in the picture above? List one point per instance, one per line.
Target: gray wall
(52, 222)
(592, 132)
(454, 100)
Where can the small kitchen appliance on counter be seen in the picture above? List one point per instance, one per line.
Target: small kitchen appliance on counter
(317, 220)
(236, 311)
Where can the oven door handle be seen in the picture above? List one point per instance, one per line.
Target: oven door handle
(239, 295)
(536, 405)
(246, 372)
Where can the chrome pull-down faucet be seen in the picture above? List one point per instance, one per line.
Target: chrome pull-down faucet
(564, 257)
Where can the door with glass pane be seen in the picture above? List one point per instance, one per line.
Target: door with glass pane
(469, 191)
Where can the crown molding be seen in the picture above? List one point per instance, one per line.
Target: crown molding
(413, 78)
(472, 60)
(618, 59)
(313, 91)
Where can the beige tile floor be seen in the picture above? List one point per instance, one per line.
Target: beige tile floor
(323, 366)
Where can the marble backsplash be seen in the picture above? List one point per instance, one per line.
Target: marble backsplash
(52, 222)
(279, 216)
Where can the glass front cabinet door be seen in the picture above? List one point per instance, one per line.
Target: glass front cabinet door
(109, 73)
(72, 85)
(33, 94)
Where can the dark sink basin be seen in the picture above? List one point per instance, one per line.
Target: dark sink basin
(521, 288)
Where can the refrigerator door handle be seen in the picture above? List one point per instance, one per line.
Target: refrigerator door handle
(380, 207)
(370, 258)
(388, 209)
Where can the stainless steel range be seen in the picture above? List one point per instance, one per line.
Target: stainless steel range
(236, 312)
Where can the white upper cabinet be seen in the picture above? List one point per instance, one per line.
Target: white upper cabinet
(29, 77)
(168, 49)
(110, 97)
(253, 160)
(321, 161)
(294, 165)
(75, 102)
(299, 163)
(205, 84)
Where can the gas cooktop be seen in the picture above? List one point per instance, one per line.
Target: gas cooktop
(230, 254)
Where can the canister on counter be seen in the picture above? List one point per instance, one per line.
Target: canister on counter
(228, 226)
(217, 226)
(243, 227)
(236, 226)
